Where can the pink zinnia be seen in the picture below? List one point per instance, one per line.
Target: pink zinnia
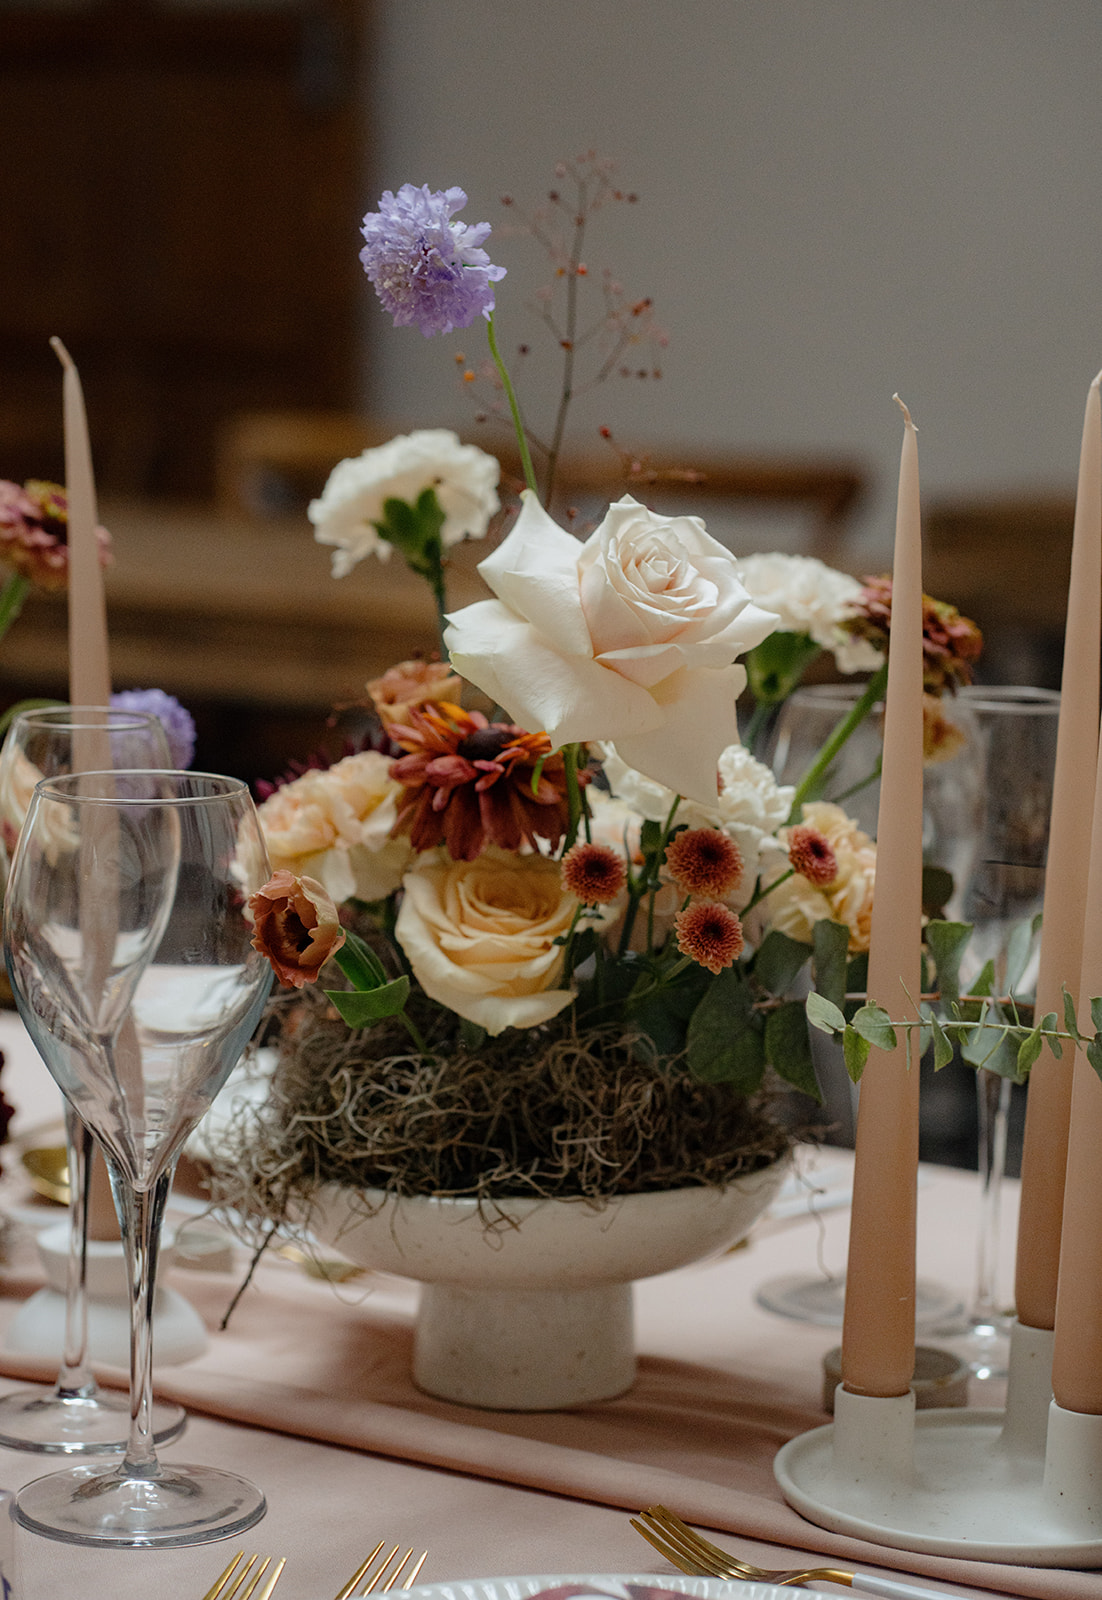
(810, 854)
(34, 532)
(710, 933)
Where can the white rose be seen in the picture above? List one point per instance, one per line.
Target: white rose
(810, 597)
(464, 477)
(335, 826)
(629, 637)
(480, 935)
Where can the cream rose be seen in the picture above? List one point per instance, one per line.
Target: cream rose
(480, 935)
(335, 826)
(629, 637)
(351, 504)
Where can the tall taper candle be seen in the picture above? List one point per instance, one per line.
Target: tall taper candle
(1044, 1153)
(89, 673)
(878, 1336)
(89, 670)
(1077, 1342)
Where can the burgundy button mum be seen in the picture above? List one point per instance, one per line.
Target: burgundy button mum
(704, 861)
(810, 854)
(710, 933)
(594, 873)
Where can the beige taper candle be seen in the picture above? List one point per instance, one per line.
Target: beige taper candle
(878, 1336)
(1044, 1152)
(89, 671)
(1077, 1343)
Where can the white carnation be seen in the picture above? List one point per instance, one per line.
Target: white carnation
(810, 597)
(464, 477)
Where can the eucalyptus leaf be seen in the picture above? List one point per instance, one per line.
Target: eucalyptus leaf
(1028, 1051)
(855, 1052)
(937, 889)
(943, 1045)
(873, 1023)
(1019, 948)
(1071, 1021)
(824, 1014)
(1094, 1055)
(1048, 1027)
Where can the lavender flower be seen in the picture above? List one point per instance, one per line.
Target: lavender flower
(427, 269)
(178, 724)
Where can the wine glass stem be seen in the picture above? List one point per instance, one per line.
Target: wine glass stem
(140, 1214)
(75, 1380)
(993, 1093)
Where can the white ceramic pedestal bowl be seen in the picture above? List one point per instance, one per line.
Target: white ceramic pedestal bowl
(526, 1304)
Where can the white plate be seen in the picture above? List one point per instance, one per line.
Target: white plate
(599, 1586)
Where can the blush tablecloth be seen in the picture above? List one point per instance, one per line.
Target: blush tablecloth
(308, 1392)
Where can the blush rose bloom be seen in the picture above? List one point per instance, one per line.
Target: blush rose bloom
(480, 935)
(629, 637)
(465, 479)
(335, 825)
(296, 927)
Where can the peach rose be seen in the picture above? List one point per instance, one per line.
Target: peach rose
(335, 825)
(480, 935)
(411, 684)
(296, 927)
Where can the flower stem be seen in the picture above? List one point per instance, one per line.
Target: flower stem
(12, 596)
(510, 395)
(873, 692)
(568, 346)
(579, 811)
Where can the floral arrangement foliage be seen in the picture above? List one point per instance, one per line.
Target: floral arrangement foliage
(558, 939)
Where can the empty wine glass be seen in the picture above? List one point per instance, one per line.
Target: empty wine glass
(128, 944)
(76, 1416)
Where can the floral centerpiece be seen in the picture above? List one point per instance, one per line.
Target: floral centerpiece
(544, 939)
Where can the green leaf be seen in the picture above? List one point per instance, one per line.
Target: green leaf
(359, 963)
(360, 1007)
(943, 1045)
(723, 1044)
(855, 1052)
(779, 961)
(1071, 1021)
(788, 1048)
(937, 890)
(1096, 1014)
(1019, 948)
(824, 1014)
(1094, 1054)
(1047, 1026)
(774, 667)
(1028, 1051)
(471, 1035)
(873, 1023)
(947, 942)
(830, 951)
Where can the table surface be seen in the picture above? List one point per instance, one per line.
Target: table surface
(329, 1503)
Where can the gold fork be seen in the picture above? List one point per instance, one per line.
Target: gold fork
(374, 1580)
(246, 1583)
(676, 1541)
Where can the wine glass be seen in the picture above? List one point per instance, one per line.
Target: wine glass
(76, 1416)
(128, 944)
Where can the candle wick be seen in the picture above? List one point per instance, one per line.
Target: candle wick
(62, 354)
(907, 414)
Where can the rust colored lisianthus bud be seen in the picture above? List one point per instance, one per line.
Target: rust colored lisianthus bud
(296, 927)
(811, 855)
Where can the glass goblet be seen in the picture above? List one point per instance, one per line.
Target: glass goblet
(76, 1416)
(129, 951)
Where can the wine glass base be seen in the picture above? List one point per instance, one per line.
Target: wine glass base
(51, 1424)
(175, 1505)
(822, 1300)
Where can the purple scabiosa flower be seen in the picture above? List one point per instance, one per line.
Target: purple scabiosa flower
(427, 269)
(178, 724)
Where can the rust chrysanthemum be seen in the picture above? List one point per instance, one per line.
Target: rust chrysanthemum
(34, 532)
(810, 854)
(950, 642)
(594, 873)
(710, 933)
(704, 861)
(468, 782)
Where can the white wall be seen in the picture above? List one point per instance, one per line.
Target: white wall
(839, 198)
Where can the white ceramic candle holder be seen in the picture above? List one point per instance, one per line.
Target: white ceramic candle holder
(1022, 1486)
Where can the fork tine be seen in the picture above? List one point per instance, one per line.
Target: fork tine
(411, 1577)
(376, 1579)
(666, 1551)
(220, 1583)
(266, 1592)
(682, 1544)
(246, 1586)
(348, 1588)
